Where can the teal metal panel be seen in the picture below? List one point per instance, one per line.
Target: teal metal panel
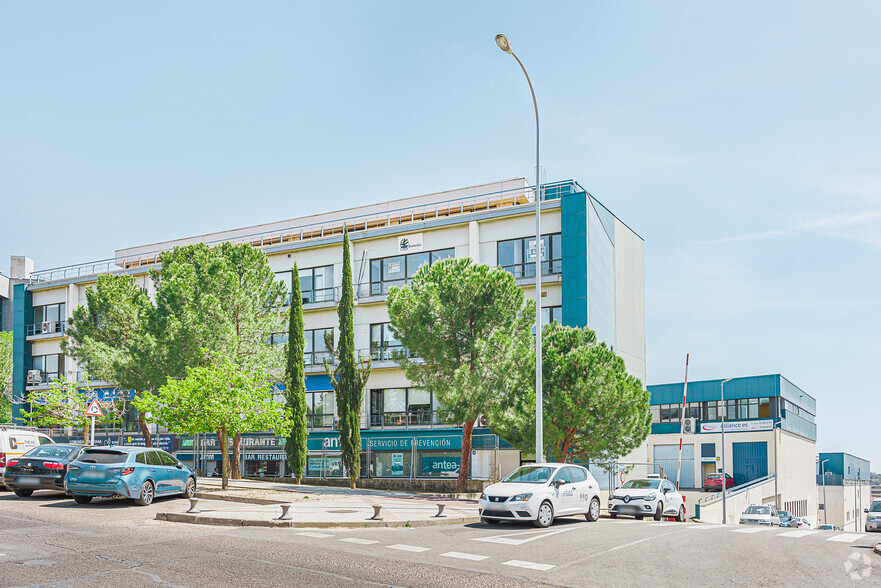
(22, 315)
(573, 237)
(750, 461)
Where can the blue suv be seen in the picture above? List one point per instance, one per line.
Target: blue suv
(141, 473)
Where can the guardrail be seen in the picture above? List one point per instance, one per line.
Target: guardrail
(355, 224)
(735, 490)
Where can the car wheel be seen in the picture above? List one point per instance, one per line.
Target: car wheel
(82, 499)
(490, 521)
(545, 515)
(659, 512)
(681, 516)
(593, 513)
(613, 515)
(191, 488)
(23, 492)
(146, 497)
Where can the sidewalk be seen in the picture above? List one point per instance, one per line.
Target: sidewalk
(256, 503)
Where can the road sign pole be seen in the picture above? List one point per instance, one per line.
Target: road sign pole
(92, 436)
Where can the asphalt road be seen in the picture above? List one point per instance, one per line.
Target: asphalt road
(50, 540)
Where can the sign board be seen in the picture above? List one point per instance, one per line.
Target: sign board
(738, 426)
(440, 465)
(94, 409)
(436, 441)
(410, 243)
(397, 464)
(163, 442)
(530, 250)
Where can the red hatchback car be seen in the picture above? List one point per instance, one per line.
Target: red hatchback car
(714, 482)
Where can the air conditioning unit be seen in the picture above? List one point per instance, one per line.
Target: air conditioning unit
(49, 327)
(35, 377)
(689, 426)
(482, 421)
(45, 327)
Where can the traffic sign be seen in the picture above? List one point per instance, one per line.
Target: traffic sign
(622, 477)
(94, 409)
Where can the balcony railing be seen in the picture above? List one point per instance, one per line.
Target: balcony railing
(41, 377)
(385, 353)
(412, 418)
(317, 357)
(47, 328)
(320, 421)
(527, 269)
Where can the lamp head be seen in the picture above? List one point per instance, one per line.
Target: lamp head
(503, 43)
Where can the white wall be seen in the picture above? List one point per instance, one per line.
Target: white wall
(844, 505)
(630, 299)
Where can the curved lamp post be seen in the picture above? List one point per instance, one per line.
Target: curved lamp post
(505, 45)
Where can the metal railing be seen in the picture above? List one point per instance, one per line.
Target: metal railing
(385, 353)
(527, 269)
(47, 328)
(734, 491)
(522, 196)
(405, 419)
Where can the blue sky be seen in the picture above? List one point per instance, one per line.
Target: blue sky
(741, 141)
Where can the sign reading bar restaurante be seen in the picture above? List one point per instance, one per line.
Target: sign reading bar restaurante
(738, 426)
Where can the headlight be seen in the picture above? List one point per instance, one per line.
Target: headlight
(483, 496)
(522, 497)
(650, 496)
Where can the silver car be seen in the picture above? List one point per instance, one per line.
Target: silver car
(873, 517)
(760, 515)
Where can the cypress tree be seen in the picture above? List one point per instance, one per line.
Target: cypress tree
(295, 381)
(347, 377)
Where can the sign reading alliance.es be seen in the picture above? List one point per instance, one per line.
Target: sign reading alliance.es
(738, 426)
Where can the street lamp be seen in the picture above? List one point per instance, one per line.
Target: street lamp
(505, 45)
(825, 504)
(724, 481)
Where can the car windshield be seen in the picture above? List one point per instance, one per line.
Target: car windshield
(53, 451)
(758, 510)
(876, 507)
(783, 514)
(103, 456)
(642, 484)
(530, 475)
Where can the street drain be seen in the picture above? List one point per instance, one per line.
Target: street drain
(342, 511)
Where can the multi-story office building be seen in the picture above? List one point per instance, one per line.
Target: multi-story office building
(591, 275)
(844, 489)
(770, 441)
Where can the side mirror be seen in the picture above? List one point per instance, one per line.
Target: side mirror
(180, 466)
(866, 510)
(558, 483)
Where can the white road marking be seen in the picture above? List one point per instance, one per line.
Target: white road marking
(468, 556)
(315, 535)
(528, 565)
(846, 537)
(797, 534)
(677, 525)
(704, 526)
(507, 540)
(412, 548)
(751, 530)
(359, 541)
(625, 521)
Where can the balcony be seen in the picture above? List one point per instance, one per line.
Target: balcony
(405, 420)
(41, 379)
(46, 330)
(526, 270)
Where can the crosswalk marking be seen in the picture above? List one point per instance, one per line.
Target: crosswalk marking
(846, 537)
(797, 534)
(508, 538)
(412, 548)
(705, 526)
(528, 565)
(359, 541)
(315, 535)
(751, 530)
(468, 556)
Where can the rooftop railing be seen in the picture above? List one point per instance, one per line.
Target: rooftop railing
(355, 224)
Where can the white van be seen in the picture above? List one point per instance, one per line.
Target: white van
(16, 441)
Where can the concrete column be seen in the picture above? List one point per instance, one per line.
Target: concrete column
(474, 241)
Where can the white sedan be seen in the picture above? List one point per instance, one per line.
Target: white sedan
(647, 497)
(541, 492)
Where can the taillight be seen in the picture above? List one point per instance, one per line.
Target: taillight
(123, 471)
(2, 459)
(53, 465)
(72, 467)
(11, 463)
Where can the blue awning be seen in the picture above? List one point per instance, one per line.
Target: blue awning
(314, 383)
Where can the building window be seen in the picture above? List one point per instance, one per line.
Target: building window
(319, 406)
(551, 314)
(383, 343)
(316, 284)
(397, 270)
(517, 256)
(315, 350)
(51, 367)
(49, 318)
(402, 407)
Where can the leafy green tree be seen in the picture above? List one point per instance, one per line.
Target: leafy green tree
(64, 404)
(348, 376)
(295, 381)
(225, 397)
(108, 336)
(593, 409)
(5, 377)
(465, 323)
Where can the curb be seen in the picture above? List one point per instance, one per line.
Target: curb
(194, 519)
(878, 548)
(232, 498)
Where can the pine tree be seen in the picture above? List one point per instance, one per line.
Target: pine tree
(347, 378)
(295, 382)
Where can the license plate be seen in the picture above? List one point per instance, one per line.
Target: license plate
(92, 475)
(28, 480)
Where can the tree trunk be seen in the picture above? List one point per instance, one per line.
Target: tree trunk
(465, 458)
(145, 431)
(567, 443)
(223, 440)
(237, 457)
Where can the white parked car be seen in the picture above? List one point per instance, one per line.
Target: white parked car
(873, 517)
(540, 493)
(647, 497)
(765, 515)
(801, 523)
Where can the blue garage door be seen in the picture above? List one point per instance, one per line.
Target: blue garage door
(668, 456)
(750, 461)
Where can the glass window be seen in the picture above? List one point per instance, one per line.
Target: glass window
(167, 460)
(517, 256)
(383, 342)
(564, 475)
(419, 406)
(656, 414)
(103, 456)
(395, 271)
(578, 474)
(316, 284)
(315, 350)
(529, 475)
(415, 261)
(551, 314)
(153, 458)
(141, 458)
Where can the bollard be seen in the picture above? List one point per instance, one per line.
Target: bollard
(440, 511)
(194, 506)
(285, 515)
(376, 517)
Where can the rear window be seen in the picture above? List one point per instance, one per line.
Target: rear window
(53, 451)
(103, 456)
(758, 510)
